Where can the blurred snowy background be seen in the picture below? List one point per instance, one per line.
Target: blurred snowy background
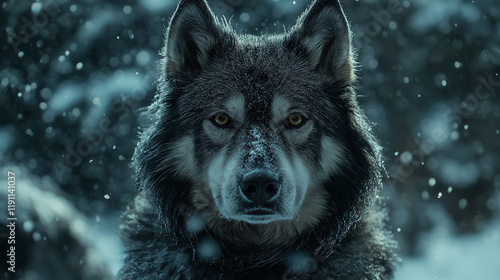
(74, 74)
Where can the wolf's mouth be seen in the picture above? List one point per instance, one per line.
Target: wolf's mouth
(259, 211)
(260, 215)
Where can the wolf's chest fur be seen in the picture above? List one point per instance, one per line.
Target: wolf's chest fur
(258, 162)
(366, 253)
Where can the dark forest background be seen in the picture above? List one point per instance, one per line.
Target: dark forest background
(75, 73)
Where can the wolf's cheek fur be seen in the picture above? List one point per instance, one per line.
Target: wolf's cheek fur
(332, 157)
(222, 174)
(182, 158)
(295, 183)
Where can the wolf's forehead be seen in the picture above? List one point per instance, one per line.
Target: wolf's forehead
(238, 106)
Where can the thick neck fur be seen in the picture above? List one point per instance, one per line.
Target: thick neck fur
(155, 253)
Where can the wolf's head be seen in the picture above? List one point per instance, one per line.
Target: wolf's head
(261, 137)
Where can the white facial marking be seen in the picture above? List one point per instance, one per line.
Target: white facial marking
(182, 155)
(279, 108)
(295, 183)
(235, 107)
(301, 180)
(313, 207)
(332, 156)
(222, 182)
(215, 176)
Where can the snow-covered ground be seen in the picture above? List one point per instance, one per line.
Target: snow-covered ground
(448, 257)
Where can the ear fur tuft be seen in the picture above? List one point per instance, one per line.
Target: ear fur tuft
(323, 33)
(192, 34)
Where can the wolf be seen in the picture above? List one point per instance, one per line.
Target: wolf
(257, 162)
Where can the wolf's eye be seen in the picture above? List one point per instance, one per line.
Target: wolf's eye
(295, 120)
(220, 119)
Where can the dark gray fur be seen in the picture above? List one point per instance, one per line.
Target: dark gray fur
(312, 64)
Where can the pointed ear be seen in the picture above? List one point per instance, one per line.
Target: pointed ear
(323, 33)
(191, 36)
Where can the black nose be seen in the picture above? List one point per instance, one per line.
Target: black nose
(260, 187)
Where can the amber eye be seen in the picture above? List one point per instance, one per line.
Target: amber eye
(221, 119)
(295, 119)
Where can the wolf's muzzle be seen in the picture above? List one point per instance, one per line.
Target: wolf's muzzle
(260, 187)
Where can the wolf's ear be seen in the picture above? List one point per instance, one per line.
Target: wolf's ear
(323, 33)
(192, 34)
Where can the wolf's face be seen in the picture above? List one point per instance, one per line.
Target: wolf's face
(257, 130)
(258, 163)
(256, 173)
